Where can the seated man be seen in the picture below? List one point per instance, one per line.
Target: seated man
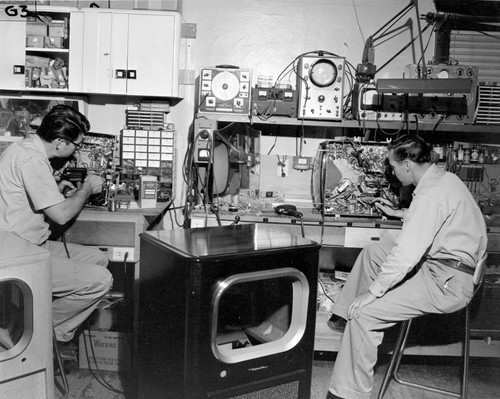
(29, 194)
(443, 232)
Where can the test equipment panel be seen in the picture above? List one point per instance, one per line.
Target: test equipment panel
(151, 153)
(445, 71)
(225, 90)
(321, 87)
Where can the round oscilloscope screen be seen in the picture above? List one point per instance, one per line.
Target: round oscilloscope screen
(323, 73)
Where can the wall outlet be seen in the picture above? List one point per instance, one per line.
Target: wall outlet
(119, 253)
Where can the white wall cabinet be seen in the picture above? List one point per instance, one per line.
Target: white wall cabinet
(12, 36)
(103, 51)
(129, 52)
(36, 43)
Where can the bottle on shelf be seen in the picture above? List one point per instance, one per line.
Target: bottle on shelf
(466, 155)
(450, 154)
(487, 155)
(460, 153)
(480, 157)
(474, 154)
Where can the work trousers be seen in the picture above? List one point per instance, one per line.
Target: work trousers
(434, 288)
(78, 285)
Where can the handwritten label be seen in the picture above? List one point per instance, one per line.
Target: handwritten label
(16, 11)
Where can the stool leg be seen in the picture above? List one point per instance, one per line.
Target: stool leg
(65, 388)
(413, 384)
(395, 360)
(466, 355)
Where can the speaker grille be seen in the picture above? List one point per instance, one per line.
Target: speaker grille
(29, 386)
(488, 111)
(289, 391)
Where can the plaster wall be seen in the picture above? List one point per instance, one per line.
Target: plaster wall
(266, 36)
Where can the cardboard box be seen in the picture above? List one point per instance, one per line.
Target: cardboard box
(54, 42)
(35, 41)
(57, 29)
(36, 29)
(104, 350)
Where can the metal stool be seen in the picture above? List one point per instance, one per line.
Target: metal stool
(65, 386)
(394, 363)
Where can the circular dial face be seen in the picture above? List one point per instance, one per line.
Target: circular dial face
(323, 73)
(225, 86)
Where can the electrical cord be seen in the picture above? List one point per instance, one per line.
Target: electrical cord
(324, 291)
(269, 111)
(199, 106)
(302, 226)
(322, 188)
(404, 122)
(97, 372)
(440, 120)
(65, 245)
(160, 216)
(174, 208)
(274, 145)
(190, 177)
(103, 382)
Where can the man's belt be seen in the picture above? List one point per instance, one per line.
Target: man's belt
(455, 264)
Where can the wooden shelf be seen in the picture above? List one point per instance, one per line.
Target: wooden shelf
(352, 124)
(46, 50)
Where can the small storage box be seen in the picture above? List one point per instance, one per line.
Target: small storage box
(104, 350)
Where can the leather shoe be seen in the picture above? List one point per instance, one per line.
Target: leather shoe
(330, 395)
(67, 350)
(337, 323)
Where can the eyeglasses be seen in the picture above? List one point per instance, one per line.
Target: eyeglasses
(77, 145)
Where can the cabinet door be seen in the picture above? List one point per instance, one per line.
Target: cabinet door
(152, 55)
(13, 38)
(37, 58)
(130, 53)
(76, 38)
(96, 52)
(104, 52)
(119, 53)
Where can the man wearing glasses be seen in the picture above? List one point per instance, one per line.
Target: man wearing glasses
(77, 145)
(29, 195)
